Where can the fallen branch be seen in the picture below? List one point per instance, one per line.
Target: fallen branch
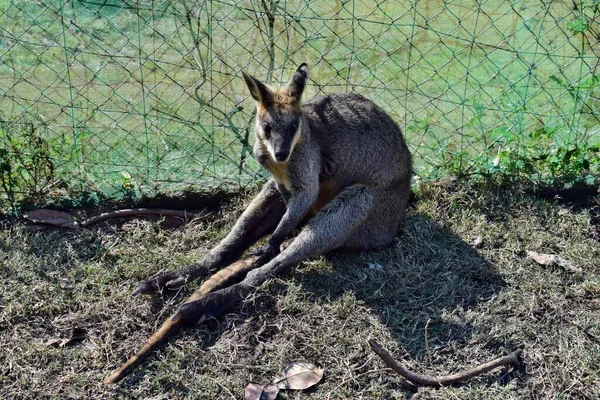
(444, 380)
(134, 212)
(66, 220)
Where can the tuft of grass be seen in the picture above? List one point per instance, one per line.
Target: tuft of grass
(437, 302)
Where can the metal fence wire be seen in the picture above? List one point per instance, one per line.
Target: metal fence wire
(146, 96)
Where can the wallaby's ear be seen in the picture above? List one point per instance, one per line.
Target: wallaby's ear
(258, 90)
(298, 82)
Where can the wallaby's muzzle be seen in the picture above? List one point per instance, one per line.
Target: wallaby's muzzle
(281, 155)
(282, 145)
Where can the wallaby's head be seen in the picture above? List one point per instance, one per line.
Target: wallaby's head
(278, 122)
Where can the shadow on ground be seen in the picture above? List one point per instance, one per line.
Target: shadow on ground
(419, 290)
(425, 276)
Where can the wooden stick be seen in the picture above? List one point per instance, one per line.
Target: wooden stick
(444, 380)
(133, 212)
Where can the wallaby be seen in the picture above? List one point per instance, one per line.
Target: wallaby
(338, 160)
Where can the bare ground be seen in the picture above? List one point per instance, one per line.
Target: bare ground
(437, 302)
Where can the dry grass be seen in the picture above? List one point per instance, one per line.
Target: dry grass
(476, 304)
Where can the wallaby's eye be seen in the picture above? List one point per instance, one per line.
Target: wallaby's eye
(266, 129)
(294, 125)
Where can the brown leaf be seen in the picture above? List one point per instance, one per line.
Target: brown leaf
(73, 336)
(298, 376)
(254, 391)
(51, 217)
(71, 340)
(552, 259)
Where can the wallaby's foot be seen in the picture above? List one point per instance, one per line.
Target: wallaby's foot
(213, 304)
(172, 280)
(259, 219)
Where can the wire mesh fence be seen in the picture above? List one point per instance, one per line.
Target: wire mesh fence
(146, 96)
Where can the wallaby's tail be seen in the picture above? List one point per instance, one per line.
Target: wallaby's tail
(221, 278)
(159, 337)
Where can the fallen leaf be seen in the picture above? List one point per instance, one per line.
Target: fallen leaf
(51, 217)
(477, 241)
(298, 376)
(552, 259)
(74, 335)
(254, 391)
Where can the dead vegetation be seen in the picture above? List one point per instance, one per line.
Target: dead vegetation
(436, 302)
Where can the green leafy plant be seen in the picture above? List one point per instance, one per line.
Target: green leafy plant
(580, 25)
(128, 187)
(26, 167)
(542, 157)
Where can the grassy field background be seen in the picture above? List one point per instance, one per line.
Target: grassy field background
(439, 303)
(121, 89)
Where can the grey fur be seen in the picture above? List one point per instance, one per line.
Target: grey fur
(350, 167)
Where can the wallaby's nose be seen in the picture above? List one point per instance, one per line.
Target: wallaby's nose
(281, 155)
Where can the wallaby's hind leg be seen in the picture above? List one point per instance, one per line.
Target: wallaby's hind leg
(326, 231)
(383, 224)
(260, 218)
(340, 220)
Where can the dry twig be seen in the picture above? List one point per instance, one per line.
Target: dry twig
(134, 212)
(444, 380)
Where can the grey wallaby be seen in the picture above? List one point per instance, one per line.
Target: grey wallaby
(338, 162)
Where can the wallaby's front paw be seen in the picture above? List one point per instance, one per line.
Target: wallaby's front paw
(266, 253)
(169, 281)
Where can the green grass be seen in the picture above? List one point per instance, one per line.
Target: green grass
(477, 304)
(450, 74)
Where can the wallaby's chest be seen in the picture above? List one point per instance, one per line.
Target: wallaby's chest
(280, 173)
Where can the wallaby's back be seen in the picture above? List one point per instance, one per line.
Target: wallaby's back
(358, 141)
